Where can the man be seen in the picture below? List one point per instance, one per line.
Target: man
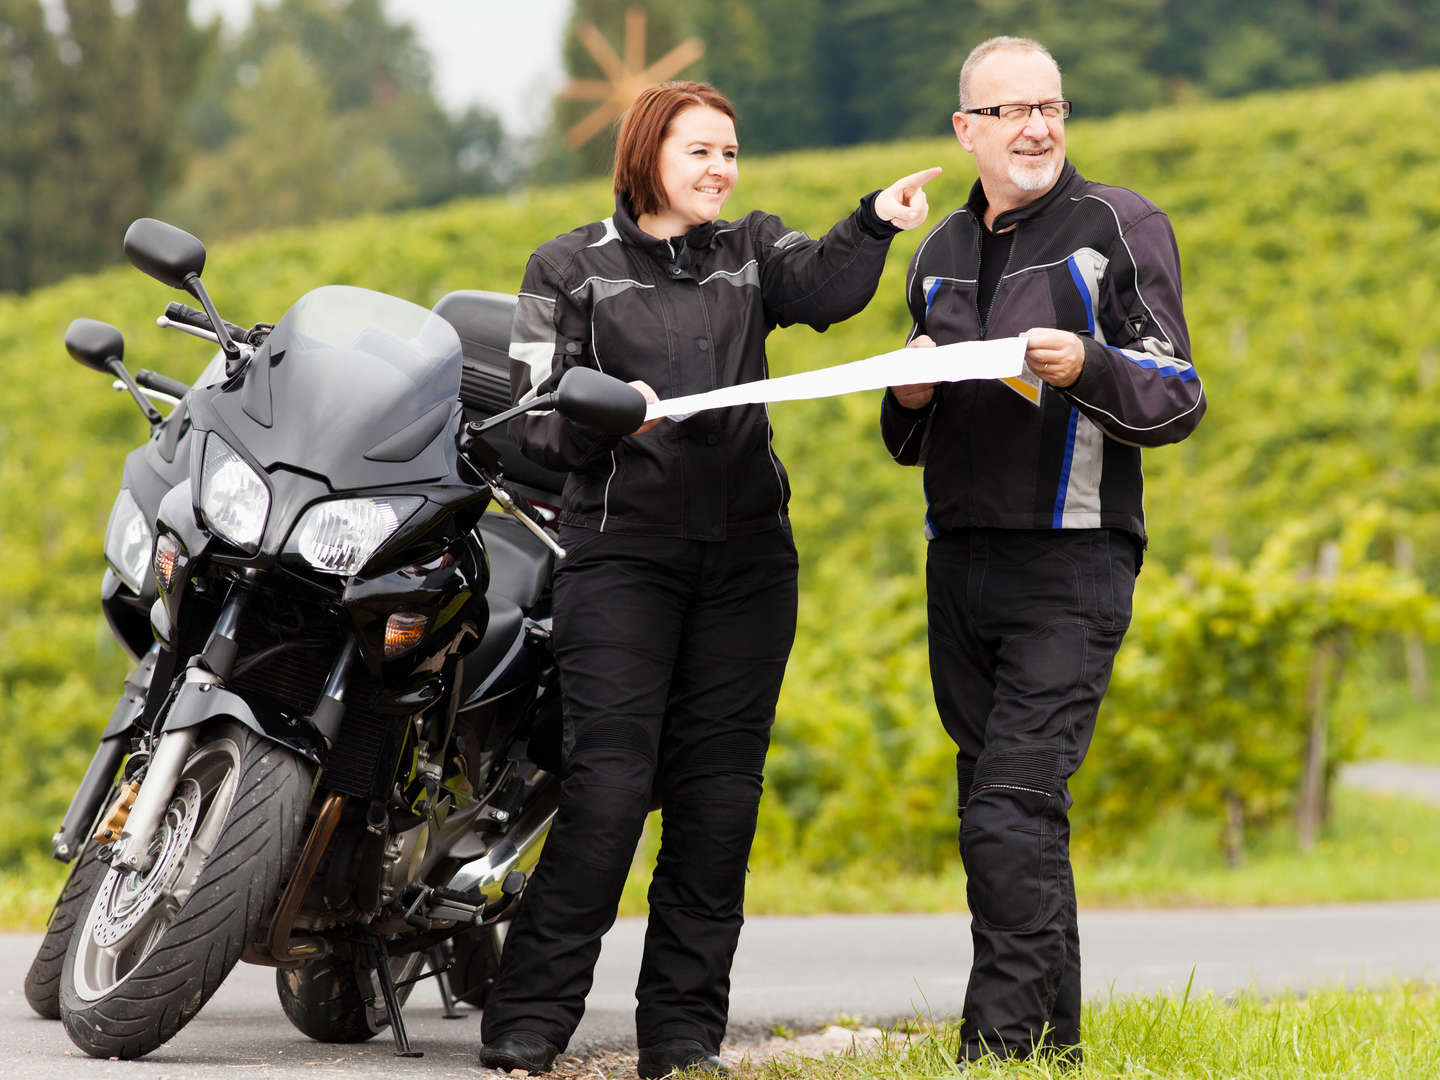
(1034, 513)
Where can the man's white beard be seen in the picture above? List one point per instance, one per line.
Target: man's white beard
(1030, 177)
(1033, 177)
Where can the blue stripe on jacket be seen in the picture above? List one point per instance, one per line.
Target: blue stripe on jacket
(1084, 291)
(1149, 363)
(1057, 521)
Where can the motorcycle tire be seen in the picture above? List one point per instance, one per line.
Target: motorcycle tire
(476, 963)
(326, 999)
(154, 946)
(42, 981)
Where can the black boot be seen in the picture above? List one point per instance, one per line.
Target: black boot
(662, 1060)
(519, 1050)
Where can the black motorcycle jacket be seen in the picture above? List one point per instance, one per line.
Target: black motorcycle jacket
(685, 315)
(1018, 453)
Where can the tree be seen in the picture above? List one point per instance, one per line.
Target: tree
(365, 87)
(764, 57)
(89, 116)
(291, 161)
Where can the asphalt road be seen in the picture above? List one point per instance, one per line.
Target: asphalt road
(801, 972)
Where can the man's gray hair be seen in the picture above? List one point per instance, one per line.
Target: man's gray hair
(995, 44)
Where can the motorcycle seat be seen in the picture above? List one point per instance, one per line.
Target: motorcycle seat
(482, 319)
(520, 565)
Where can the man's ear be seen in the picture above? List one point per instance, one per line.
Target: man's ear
(961, 122)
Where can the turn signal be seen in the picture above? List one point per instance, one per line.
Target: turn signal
(167, 558)
(403, 631)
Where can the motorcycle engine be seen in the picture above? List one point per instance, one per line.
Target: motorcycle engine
(400, 863)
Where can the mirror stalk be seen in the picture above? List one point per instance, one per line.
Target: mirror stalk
(544, 401)
(117, 368)
(196, 289)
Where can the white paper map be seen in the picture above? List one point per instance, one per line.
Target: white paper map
(1002, 358)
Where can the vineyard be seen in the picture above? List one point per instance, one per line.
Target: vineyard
(1309, 226)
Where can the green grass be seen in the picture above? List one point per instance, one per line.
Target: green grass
(1388, 1034)
(27, 893)
(1378, 848)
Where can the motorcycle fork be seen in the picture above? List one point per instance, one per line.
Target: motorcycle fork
(211, 668)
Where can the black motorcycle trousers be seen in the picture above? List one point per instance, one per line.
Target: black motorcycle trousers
(1024, 628)
(671, 654)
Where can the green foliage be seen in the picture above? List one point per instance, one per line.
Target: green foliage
(1212, 696)
(1309, 235)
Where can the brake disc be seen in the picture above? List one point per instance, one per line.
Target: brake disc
(126, 898)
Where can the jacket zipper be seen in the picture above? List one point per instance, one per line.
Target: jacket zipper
(1000, 284)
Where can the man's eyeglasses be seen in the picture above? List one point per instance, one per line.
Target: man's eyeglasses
(1018, 114)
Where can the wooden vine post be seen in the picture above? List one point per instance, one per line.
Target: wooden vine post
(1415, 664)
(1324, 668)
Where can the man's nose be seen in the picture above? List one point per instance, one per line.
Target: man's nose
(1036, 125)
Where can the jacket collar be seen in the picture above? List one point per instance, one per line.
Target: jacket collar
(1068, 179)
(701, 236)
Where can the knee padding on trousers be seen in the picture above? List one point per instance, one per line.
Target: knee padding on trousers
(1006, 839)
(730, 753)
(615, 735)
(618, 754)
(1034, 767)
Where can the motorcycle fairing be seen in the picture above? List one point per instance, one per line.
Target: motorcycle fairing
(361, 408)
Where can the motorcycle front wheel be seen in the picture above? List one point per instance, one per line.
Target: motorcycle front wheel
(155, 945)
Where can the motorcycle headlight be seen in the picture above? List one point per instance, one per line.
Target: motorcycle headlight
(339, 536)
(234, 500)
(128, 540)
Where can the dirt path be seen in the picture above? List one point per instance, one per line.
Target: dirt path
(1394, 778)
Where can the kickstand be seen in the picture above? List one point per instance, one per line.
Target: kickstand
(440, 964)
(381, 961)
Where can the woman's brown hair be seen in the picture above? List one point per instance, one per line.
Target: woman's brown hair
(642, 130)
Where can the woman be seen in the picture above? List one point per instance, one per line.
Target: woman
(675, 610)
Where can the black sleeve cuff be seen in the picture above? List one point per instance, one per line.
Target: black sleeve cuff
(871, 222)
(1094, 358)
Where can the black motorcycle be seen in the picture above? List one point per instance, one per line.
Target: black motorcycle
(337, 756)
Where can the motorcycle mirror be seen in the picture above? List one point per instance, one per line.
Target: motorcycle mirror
(600, 401)
(100, 347)
(170, 255)
(94, 344)
(173, 257)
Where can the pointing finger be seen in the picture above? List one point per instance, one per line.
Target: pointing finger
(915, 181)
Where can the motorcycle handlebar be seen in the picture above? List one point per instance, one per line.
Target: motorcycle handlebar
(164, 384)
(184, 313)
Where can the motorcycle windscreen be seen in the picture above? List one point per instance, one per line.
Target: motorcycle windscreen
(355, 386)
